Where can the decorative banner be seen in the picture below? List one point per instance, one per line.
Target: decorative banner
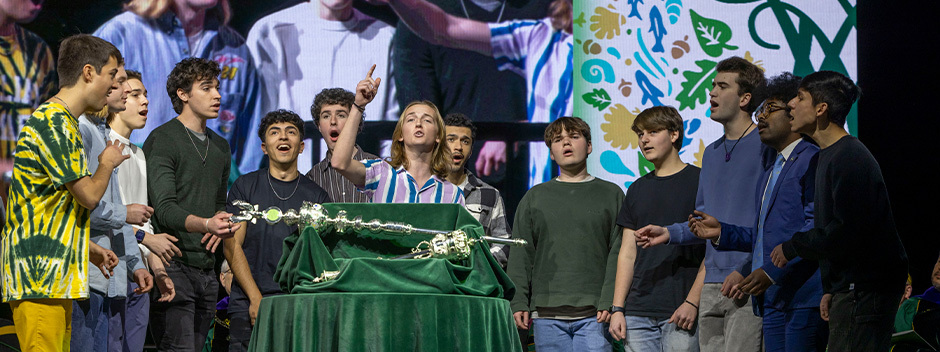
(634, 54)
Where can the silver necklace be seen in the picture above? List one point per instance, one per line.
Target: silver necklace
(188, 133)
(467, 14)
(275, 191)
(67, 108)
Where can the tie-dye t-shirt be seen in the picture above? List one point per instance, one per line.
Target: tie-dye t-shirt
(45, 238)
(27, 73)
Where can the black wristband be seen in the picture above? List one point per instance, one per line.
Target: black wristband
(692, 304)
(361, 109)
(615, 309)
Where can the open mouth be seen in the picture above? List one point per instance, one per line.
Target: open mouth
(143, 112)
(419, 134)
(334, 135)
(567, 152)
(283, 148)
(457, 157)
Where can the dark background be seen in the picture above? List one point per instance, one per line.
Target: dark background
(898, 70)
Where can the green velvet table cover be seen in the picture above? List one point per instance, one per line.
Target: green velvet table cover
(380, 304)
(384, 322)
(356, 255)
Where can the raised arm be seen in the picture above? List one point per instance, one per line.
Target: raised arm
(440, 28)
(345, 147)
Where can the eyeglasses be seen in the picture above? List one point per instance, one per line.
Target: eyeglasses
(768, 109)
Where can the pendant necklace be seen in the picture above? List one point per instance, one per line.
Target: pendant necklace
(191, 140)
(728, 152)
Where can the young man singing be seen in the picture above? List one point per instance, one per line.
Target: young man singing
(331, 110)
(45, 245)
(861, 258)
(255, 249)
(483, 201)
(187, 174)
(657, 295)
(565, 275)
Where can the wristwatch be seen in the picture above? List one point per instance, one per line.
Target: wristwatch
(140, 235)
(615, 309)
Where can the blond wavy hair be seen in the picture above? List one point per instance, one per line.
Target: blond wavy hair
(439, 158)
(156, 8)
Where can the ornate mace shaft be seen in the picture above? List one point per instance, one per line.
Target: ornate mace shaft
(445, 244)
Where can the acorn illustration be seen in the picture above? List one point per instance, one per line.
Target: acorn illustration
(625, 87)
(590, 47)
(681, 48)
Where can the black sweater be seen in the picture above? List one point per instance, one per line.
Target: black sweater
(855, 238)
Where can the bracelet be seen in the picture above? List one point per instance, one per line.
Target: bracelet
(361, 109)
(692, 304)
(207, 225)
(615, 309)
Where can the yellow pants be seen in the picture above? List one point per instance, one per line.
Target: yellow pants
(43, 324)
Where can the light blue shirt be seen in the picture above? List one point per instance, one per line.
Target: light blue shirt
(109, 228)
(154, 46)
(727, 189)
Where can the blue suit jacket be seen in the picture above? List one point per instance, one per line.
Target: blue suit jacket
(798, 285)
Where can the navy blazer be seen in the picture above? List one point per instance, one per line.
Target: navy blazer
(798, 284)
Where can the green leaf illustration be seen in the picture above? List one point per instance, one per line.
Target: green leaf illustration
(697, 84)
(580, 21)
(645, 166)
(713, 35)
(599, 99)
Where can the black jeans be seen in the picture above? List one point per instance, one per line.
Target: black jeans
(183, 323)
(239, 331)
(862, 320)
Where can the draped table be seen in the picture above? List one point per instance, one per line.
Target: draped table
(382, 304)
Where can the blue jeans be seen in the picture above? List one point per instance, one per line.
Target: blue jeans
(129, 320)
(90, 323)
(794, 330)
(651, 334)
(570, 335)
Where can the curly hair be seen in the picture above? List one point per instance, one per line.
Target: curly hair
(781, 87)
(457, 119)
(187, 72)
(333, 96)
(439, 157)
(278, 116)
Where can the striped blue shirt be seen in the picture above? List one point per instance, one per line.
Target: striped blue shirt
(386, 184)
(544, 56)
(154, 46)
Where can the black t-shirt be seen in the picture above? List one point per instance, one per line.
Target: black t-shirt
(662, 275)
(263, 243)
